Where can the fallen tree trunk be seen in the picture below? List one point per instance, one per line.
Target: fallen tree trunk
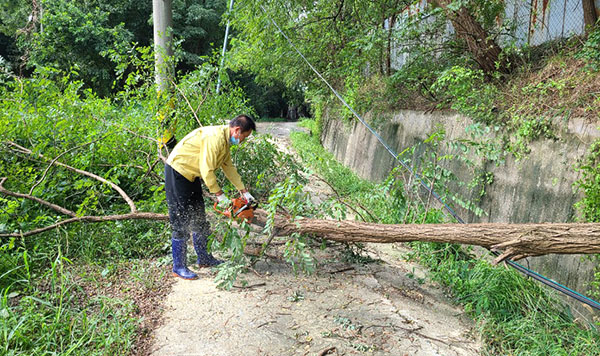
(516, 241)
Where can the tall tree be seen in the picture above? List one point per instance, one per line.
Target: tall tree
(484, 50)
(198, 29)
(69, 37)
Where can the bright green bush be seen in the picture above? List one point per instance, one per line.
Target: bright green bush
(591, 49)
(467, 92)
(589, 185)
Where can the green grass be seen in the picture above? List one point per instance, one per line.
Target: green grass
(372, 200)
(514, 315)
(314, 155)
(53, 315)
(73, 292)
(347, 184)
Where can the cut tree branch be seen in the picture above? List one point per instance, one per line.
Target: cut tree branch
(188, 102)
(516, 240)
(74, 218)
(60, 209)
(339, 197)
(104, 218)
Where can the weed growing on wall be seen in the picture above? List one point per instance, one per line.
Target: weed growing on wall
(589, 185)
(467, 91)
(591, 50)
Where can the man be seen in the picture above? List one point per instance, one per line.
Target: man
(193, 160)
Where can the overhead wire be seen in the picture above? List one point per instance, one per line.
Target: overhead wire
(540, 278)
(224, 47)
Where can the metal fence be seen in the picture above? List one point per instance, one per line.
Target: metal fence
(527, 22)
(538, 21)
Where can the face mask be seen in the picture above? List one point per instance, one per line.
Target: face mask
(234, 141)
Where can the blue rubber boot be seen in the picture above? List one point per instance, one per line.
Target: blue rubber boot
(179, 263)
(205, 259)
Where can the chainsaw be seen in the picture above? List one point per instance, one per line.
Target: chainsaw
(240, 209)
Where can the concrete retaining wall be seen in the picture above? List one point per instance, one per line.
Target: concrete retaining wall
(538, 188)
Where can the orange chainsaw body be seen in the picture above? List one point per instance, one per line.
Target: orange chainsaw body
(240, 209)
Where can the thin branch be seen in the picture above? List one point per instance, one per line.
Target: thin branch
(127, 130)
(159, 151)
(204, 96)
(346, 204)
(105, 218)
(327, 351)
(263, 248)
(60, 209)
(148, 171)
(431, 184)
(56, 158)
(260, 284)
(187, 101)
(85, 173)
(151, 169)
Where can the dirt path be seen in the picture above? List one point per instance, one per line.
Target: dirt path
(345, 308)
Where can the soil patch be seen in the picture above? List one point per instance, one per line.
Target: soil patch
(380, 308)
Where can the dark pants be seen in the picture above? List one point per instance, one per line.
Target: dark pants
(186, 205)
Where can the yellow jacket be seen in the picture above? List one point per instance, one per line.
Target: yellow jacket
(201, 152)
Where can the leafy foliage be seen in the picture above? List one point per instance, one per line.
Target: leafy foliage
(466, 91)
(338, 37)
(589, 184)
(591, 49)
(286, 195)
(262, 165)
(197, 26)
(87, 37)
(269, 99)
(72, 38)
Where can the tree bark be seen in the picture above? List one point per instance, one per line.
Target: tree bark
(589, 14)
(515, 240)
(485, 51)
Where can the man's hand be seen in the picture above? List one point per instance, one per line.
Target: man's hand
(249, 198)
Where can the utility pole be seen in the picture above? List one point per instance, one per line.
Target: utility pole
(163, 50)
(163, 65)
(224, 48)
